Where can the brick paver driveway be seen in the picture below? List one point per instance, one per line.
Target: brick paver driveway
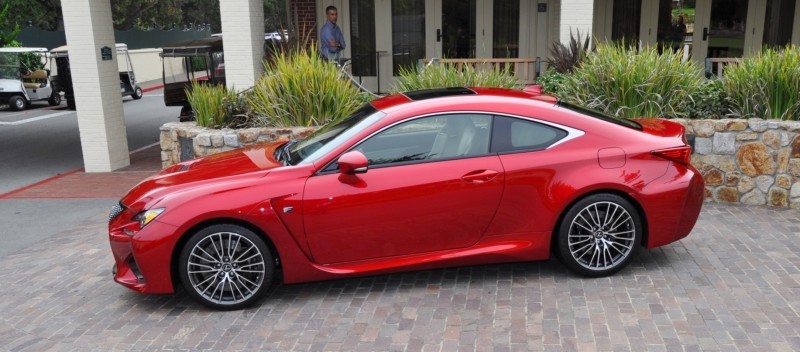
(731, 285)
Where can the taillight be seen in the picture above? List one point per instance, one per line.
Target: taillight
(681, 155)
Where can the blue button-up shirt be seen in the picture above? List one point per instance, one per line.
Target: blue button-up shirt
(331, 31)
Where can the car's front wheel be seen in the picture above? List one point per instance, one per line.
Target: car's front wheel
(226, 266)
(599, 235)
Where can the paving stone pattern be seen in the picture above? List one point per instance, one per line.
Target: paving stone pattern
(733, 284)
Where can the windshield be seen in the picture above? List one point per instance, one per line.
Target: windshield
(599, 115)
(331, 136)
(9, 66)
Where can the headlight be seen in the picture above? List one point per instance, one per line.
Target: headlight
(147, 216)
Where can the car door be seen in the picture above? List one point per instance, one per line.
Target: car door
(431, 185)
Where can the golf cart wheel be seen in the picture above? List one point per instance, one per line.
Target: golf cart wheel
(137, 93)
(17, 103)
(55, 99)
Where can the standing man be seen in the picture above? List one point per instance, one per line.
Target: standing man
(331, 39)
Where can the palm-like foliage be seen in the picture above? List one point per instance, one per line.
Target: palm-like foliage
(766, 85)
(451, 75)
(565, 58)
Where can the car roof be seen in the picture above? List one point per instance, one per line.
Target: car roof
(22, 50)
(460, 94)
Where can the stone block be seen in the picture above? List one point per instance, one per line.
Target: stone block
(773, 124)
(727, 195)
(746, 136)
(783, 159)
(746, 184)
(771, 139)
(166, 142)
(231, 140)
(764, 182)
(714, 177)
(708, 193)
(795, 148)
(217, 140)
(203, 140)
(786, 138)
(778, 197)
(757, 125)
(725, 143)
(248, 135)
(730, 125)
(732, 179)
(703, 145)
(703, 128)
(783, 181)
(794, 167)
(794, 194)
(754, 159)
(164, 156)
(755, 197)
(725, 163)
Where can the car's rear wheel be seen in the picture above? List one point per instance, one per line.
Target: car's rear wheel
(599, 235)
(226, 266)
(17, 103)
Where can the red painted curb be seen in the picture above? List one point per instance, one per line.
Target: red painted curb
(156, 87)
(56, 177)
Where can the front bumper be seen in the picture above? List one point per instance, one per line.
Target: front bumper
(142, 259)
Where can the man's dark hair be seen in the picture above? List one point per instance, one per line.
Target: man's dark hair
(329, 8)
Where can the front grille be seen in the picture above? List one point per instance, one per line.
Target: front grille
(116, 209)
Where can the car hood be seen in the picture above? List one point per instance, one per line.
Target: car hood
(232, 166)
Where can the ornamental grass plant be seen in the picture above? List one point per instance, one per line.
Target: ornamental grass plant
(766, 85)
(627, 82)
(214, 105)
(300, 88)
(444, 75)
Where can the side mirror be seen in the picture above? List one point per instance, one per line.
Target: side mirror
(352, 163)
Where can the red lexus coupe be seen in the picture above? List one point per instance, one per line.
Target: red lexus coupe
(418, 180)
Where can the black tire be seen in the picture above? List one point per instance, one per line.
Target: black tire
(17, 103)
(137, 93)
(212, 267)
(55, 99)
(599, 235)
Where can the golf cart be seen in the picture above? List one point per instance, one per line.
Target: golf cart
(23, 78)
(199, 60)
(127, 79)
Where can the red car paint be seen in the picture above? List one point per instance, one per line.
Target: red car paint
(487, 209)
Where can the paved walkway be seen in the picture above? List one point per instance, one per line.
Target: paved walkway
(733, 284)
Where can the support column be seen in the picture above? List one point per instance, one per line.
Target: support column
(101, 120)
(575, 15)
(242, 41)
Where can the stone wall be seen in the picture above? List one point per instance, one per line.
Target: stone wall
(181, 141)
(751, 161)
(743, 161)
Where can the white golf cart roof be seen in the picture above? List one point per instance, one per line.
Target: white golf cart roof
(62, 50)
(23, 50)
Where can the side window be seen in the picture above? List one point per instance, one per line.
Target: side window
(513, 134)
(430, 138)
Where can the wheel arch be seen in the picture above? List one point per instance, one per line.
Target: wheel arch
(176, 251)
(626, 196)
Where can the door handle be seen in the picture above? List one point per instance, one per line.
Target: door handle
(480, 176)
(439, 35)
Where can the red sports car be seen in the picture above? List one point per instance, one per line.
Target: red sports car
(418, 180)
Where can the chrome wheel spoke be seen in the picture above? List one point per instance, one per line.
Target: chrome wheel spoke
(226, 268)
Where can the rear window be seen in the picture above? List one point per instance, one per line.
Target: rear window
(599, 115)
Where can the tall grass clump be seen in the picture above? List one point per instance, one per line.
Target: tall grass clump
(300, 88)
(766, 85)
(214, 105)
(444, 75)
(625, 82)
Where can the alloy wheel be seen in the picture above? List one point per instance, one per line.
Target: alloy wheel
(226, 268)
(601, 236)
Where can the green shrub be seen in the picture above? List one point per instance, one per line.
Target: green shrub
(710, 102)
(552, 81)
(766, 85)
(625, 82)
(214, 105)
(300, 88)
(444, 75)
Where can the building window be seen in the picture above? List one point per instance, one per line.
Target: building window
(506, 29)
(362, 37)
(408, 33)
(627, 20)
